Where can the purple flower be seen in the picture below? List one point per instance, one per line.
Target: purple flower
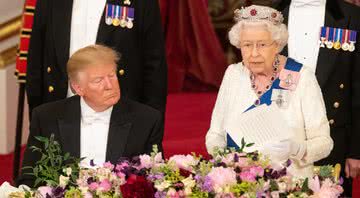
(92, 163)
(207, 185)
(288, 163)
(90, 180)
(58, 192)
(160, 194)
(236, 158)
(154, 177)
(45, 190)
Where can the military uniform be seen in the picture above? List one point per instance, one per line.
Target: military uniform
(142, 69)
(338, 73)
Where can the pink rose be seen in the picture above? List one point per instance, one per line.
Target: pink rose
(257, 170)
(221, 177)
(184, 162)
(105, 185)
(93, 186)
(119, 167)
(247, 176)
(108, 165)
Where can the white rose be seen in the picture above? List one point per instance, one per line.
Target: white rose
(68, 171)
(162, 186)
(282, 187)
(188, 191)
(188, 182)
(63, 181)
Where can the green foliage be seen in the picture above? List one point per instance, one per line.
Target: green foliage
(273, 185)
(244, 145)
(326, 171)
(73, 193)
(53, 163)
(197, 193)
(305, 186)
(241, 188)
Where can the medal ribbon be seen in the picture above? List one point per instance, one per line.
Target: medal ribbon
(124, 12)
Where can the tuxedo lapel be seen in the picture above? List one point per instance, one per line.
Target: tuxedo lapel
(327, 57)
(61, 13)
(69, 127)
(119, 130)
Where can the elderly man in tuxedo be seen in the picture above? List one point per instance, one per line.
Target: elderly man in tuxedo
(96, 123)
(336, 63)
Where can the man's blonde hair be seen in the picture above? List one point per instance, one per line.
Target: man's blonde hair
(92, 55)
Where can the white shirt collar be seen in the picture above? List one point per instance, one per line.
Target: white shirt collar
(88, 115)
(302, 3)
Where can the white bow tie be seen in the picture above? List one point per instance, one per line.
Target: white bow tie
(93, 118)
(299, 3)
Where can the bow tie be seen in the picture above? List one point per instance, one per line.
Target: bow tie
(94, 118)
(300, 3)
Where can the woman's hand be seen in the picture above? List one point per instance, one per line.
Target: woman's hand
(283, 150)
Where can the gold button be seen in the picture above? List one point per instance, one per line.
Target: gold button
(331, 122)
(51, 89)
(121, 72)
(336, 105)
(341, 86)
(48, 69)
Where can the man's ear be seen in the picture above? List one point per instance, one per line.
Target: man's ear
(75, 87)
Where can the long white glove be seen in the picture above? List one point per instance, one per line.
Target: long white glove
(284, 149)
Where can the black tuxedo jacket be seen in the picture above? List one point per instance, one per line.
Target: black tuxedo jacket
(338, 73)
(142, 68)
(134, 129)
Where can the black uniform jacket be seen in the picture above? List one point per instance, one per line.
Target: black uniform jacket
(142, 69)
(338, 73)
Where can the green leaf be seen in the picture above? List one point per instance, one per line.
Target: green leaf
(250, 144)
(305, 186)
(273, 185)
(41, 139)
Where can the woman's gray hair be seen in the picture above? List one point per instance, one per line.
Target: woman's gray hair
(279, 32)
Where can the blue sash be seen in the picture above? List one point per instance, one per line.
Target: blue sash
(291, 65)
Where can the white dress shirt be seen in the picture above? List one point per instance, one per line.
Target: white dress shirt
(85, 20)
(94, 133)
(306, 17)
(304, 116)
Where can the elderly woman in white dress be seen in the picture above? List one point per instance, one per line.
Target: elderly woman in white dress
(269, 99)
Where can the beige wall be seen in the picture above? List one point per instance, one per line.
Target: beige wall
(9, 9)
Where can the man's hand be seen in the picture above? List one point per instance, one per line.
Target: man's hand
(352, 168)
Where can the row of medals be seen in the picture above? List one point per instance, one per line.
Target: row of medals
(337, 45)
(347, 45)
(120, 22)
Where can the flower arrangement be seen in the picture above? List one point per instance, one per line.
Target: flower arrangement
(229, 173)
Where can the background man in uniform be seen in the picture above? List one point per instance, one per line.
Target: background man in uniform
(337, 67)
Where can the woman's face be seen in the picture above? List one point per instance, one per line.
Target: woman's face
(258, 50)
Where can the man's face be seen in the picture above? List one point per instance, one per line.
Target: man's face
(99, 86)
